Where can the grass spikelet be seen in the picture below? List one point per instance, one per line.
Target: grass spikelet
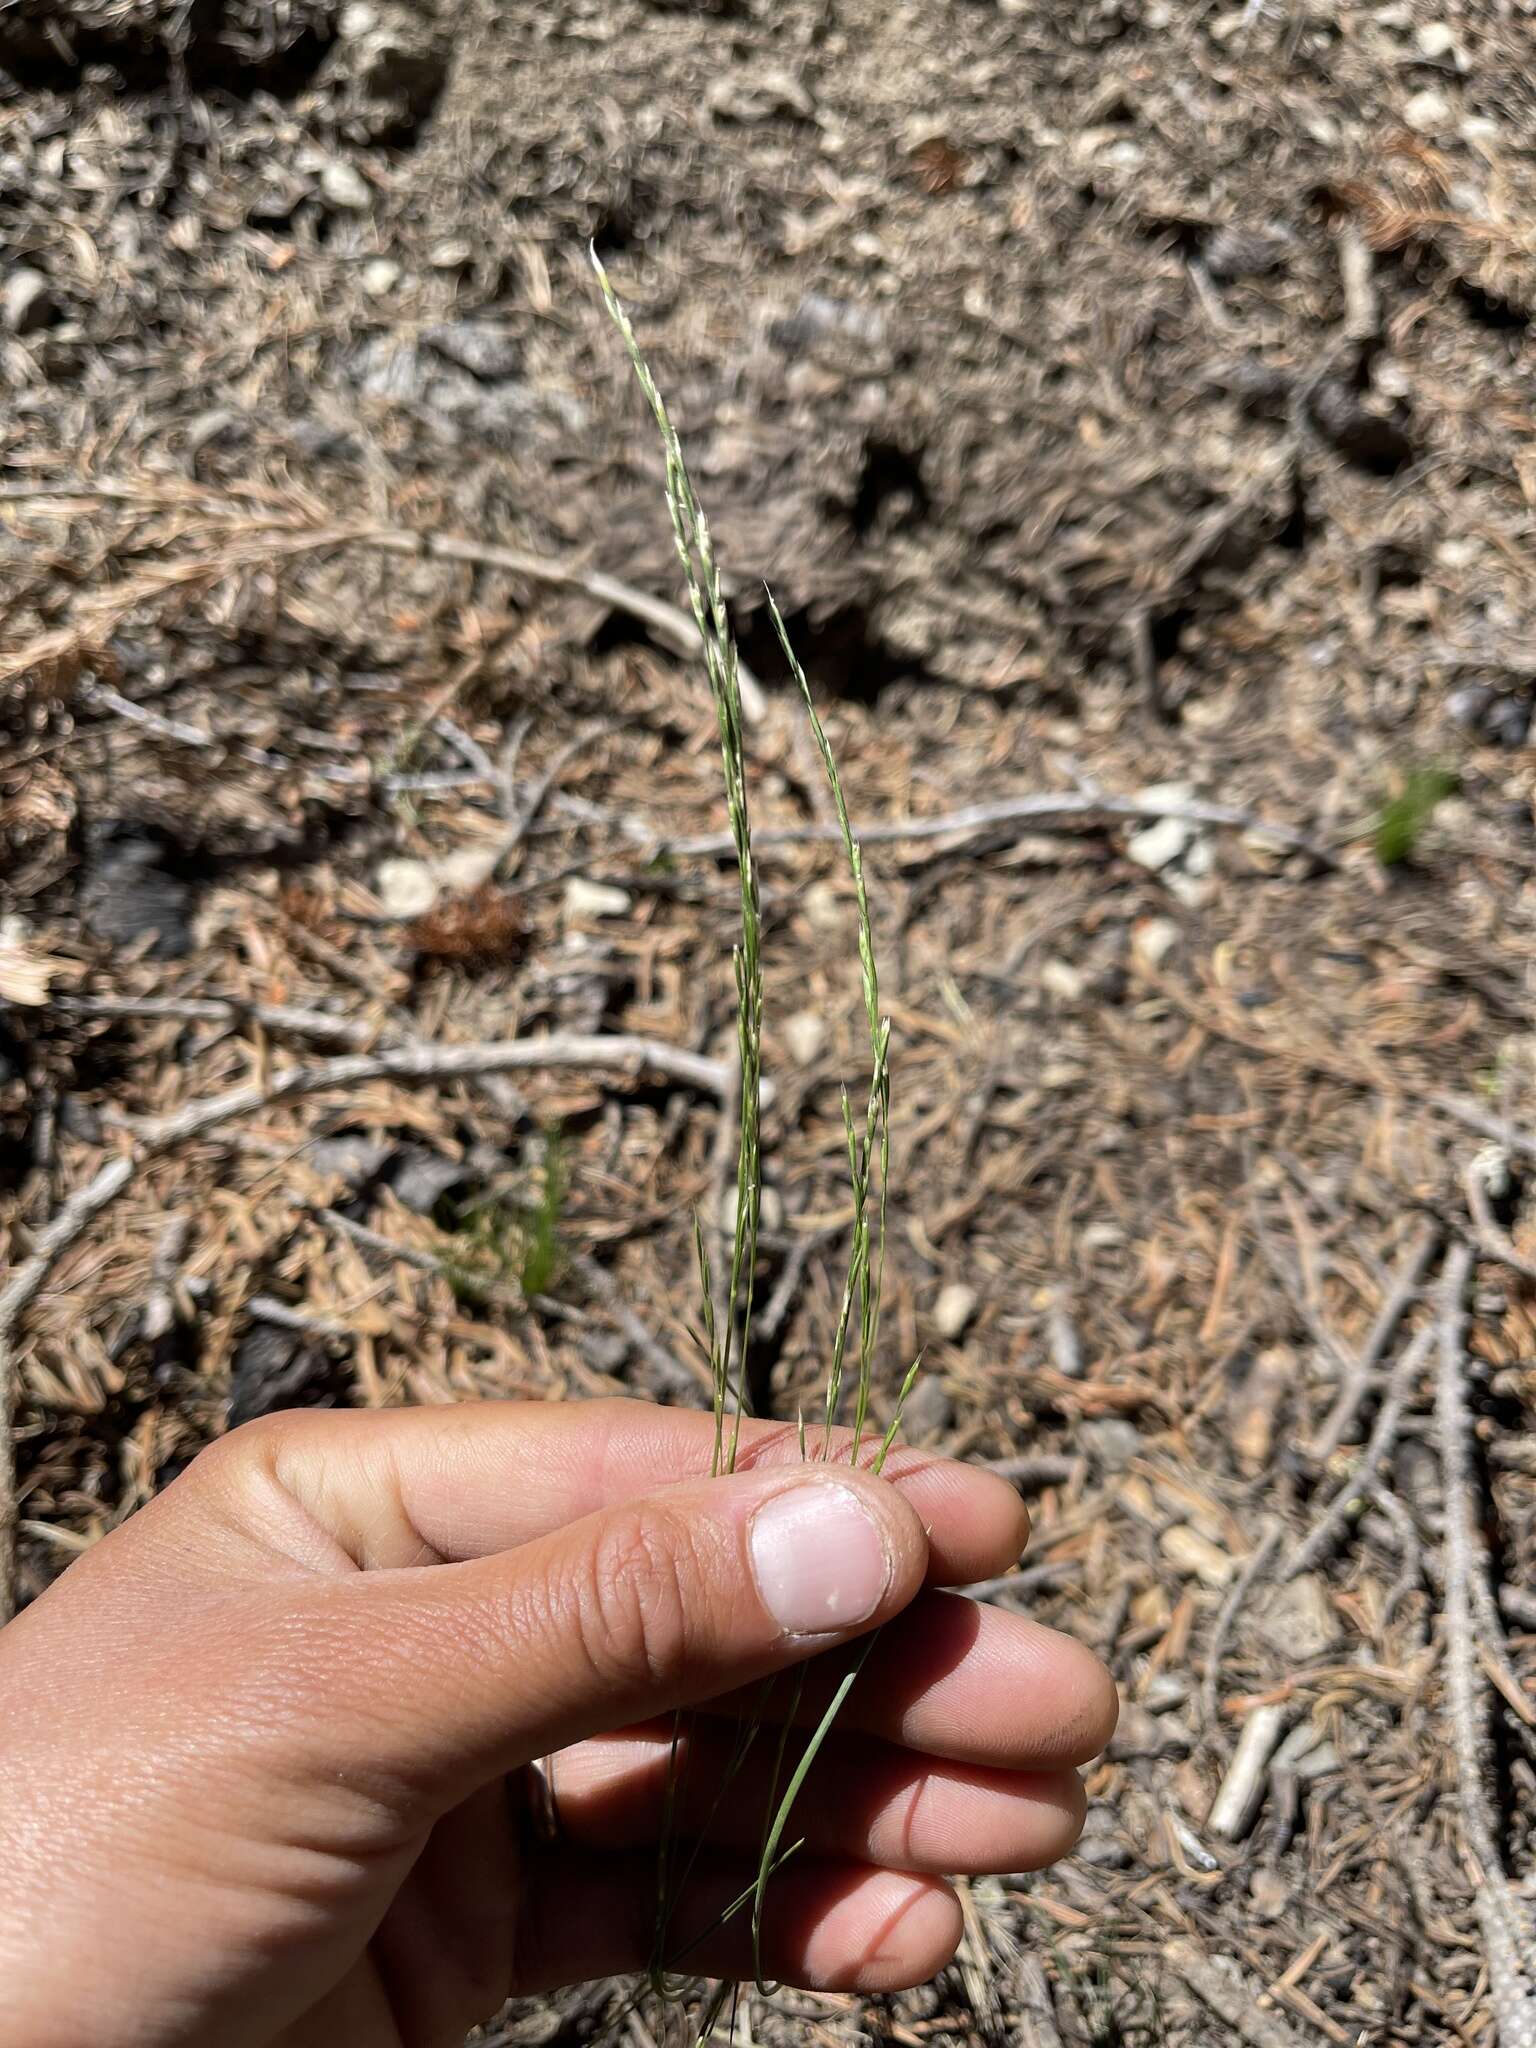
(726, 1324)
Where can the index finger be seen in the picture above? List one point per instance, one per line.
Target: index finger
(450, 1484)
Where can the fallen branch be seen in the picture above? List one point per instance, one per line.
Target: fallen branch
(254, 509)
(278, 1017)
(1411, 1574)
(670, 625)
(425, 1062)
(1263, 1551)
(1506, 1936)
(1040, 810)
(1232, 1995)
(1383, 1436)
(1492, 1240)
(1361, 1377)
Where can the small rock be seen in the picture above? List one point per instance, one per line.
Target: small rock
(822, 907)
(1435, 40)
(929, 1412)
(1153, 939)
(1234, 252)
(127, 893)
(80, 1120)
(1194, 1556)
(805, 1034)
(1101, 1844)
(466, 868)
(353, 1157)
(343, 186)
(323, 440)
(594, 899)
(1063, 1341)
(389, 368)
(1192, 881)
(1318, 1762)
(1299, 1622)
(274, 1368)
(405, 887)
(817, 315)
(486, 352)
(1428, 112)
(1061, 979)
(1111, 1442)
(1258, 1388)
(953, 1310)
(380, 277)
(1138, 1734)
(27, 302)
(1166, 1689)
(604, 1350)
(1507, 721)
(1160, 844)
(1269, 1895)
(421, 1177)
(1468, 706)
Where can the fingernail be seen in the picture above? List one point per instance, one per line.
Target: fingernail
(819, 1558)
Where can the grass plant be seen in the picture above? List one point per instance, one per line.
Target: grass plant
(727, 1322)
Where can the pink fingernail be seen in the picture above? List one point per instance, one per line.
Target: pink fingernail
(818, 1557)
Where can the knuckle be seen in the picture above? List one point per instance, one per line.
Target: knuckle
(634, 1604)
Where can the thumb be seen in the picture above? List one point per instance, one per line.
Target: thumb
(660, 1602)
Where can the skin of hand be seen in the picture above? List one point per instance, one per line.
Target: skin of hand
(263, 1749)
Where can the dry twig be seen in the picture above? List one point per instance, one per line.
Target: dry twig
(423, 1062)
(1383, 1435)
(1502, 1918)
(1242, 1585)
(1222, 1986)
(1040, 811)
(1492, 1240)
(1357, 1383)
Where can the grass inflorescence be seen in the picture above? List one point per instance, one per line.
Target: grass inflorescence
(727, 1318)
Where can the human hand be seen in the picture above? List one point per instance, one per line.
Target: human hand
(263, 1749)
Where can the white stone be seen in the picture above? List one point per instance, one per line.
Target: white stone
(1154, 939)
(1194, 1556)
(1428, 111)
(822, 907)
(380, 277)
(345, 187)
(1160, 844)
(954, 1308)
(805, 1034)
(466, 868)
(1436, 39)
(405, 887)
(1299, 1622)
(594, 899)
(25, 301)
(1061, 979)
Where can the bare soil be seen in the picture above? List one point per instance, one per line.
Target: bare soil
(1122, 397)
